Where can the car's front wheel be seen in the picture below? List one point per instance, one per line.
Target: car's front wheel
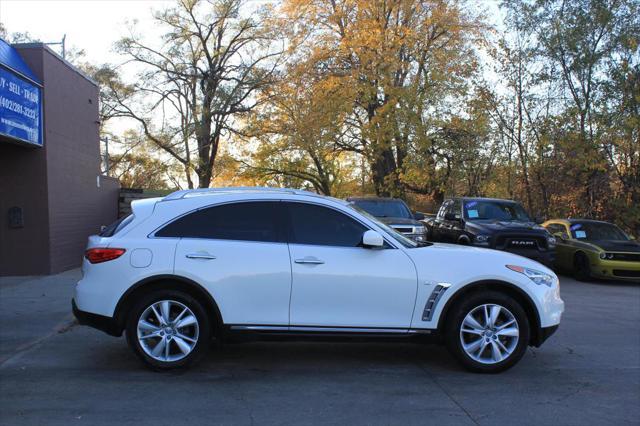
(581, 267)
(168, 329)
(488, 332)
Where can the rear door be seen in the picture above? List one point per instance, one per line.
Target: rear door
(339, 283)
(237, 251)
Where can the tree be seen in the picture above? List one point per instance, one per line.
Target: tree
(584, 55)
(136, 163)
(199, 82)
(297, 130)
(583, 42)
(398, 61)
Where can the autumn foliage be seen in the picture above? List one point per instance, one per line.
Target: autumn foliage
(533, 100)
(423, 99)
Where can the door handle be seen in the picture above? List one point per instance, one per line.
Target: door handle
(205, 256)
(310, 261)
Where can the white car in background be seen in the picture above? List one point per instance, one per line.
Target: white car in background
(203, 264)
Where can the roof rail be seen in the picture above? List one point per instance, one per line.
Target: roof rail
(177, 195)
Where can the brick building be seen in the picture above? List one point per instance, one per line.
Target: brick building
(52, 193)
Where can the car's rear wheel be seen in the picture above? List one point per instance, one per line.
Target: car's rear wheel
(168, 329)
(488, 332)
(581, 267)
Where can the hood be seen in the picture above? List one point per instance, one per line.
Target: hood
(399, 221)
(497, 226)
(435, 262)
(617, 245)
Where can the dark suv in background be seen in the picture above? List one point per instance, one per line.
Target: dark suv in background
(395, 213)
(492, 223)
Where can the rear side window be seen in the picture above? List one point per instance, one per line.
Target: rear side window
(251, 221)
(322, 226)
(117, 226)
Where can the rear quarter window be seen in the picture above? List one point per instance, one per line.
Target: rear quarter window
(243, 221)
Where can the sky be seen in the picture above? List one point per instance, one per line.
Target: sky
(92, 25)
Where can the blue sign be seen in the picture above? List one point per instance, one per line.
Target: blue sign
(20, 109)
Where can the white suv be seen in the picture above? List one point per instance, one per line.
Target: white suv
(203, 264)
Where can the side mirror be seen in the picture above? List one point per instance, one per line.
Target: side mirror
(451, 216)
(372, 239)
(418, 216)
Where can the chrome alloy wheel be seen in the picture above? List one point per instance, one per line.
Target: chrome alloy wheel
(489, 333)
(168, 331)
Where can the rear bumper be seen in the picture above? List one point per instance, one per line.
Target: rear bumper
(102, 323)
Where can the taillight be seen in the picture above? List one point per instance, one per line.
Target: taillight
(99, 255)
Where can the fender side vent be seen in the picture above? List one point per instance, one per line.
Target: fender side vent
(431, 304)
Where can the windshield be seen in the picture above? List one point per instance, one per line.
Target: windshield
(593, 231)
(406, 242)
(384, 208)
(496, 210)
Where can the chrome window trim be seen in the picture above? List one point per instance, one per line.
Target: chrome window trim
(152, 234)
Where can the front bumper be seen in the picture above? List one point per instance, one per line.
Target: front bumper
(100, 322)
(616, 270)
(543, 334)
(547, 258)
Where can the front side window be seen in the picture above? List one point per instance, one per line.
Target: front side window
(250, 221)
(455, 207)
(322, 226)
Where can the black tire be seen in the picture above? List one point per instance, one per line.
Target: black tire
(203, 321)
(465, 306)
(581, 267)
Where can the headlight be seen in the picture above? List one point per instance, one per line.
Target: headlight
(419, 229)
(481, 240)
(534, 275)
(604, 255)
(551, 240)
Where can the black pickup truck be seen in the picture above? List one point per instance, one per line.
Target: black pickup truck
(491, 223)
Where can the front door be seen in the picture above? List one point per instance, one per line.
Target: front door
(338, 283)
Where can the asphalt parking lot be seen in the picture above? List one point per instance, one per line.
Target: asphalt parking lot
(54, 372)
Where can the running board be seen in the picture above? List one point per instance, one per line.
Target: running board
(329, 330)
